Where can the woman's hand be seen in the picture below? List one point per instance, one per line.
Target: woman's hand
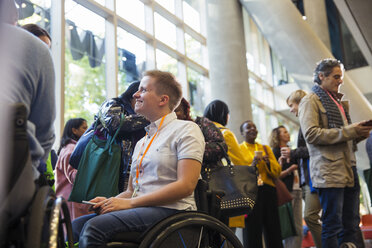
(113, 204)
(293, 167)
(281, 160)
(255, 161)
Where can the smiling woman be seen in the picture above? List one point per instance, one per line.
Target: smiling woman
(265, 213)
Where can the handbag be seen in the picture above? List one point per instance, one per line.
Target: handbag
(286, 219)
(282, 192)
(238, 184)
(99, 169)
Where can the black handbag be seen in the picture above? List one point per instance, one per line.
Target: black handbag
(239, 185)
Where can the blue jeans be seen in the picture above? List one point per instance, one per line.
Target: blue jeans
(341, 215)
(96, 230)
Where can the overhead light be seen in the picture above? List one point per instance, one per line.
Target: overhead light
(304, 18)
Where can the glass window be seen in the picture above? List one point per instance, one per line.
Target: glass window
(263, 70)
(268, 97)
(85, 18)
(196, 87)
(252, 86)
(259, 92)
(250, 60)
(193, 49)
(279, 72)
(85, 88)
(35, 11)
(168, 4)
(41, 3)
(165, 31)
(248, 42)
(258, 115)
(269, 127)
(133, 12)
(132, 58)
(191, 13)
(352, 55)
(165, 62)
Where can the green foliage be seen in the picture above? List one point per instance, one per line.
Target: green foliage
(85, 88)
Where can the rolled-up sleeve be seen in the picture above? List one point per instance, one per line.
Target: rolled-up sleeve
(191, 144)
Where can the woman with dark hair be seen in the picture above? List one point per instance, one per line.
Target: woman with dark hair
(264, 218)
(39, 32)
(279, 138)
(65, 173)
(218, 112)
(131, 131)
(214, 141)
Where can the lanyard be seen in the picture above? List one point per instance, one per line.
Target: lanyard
(339, 105)
(147, 148)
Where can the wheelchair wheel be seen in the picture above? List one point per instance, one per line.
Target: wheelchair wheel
(190, 229)
(59, 223)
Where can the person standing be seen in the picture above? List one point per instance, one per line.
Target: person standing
(217, 111)
(331, 139)
(300, 156)
(264, 218)
(65, 173)
(279, 139)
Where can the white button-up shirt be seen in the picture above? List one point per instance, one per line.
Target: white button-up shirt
(175, 140)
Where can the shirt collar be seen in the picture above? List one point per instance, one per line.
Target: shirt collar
(153, 127)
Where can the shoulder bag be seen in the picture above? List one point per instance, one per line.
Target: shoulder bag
(282, 192)
(99, 169)
(238, 184)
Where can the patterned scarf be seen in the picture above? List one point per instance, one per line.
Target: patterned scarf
(332, 111)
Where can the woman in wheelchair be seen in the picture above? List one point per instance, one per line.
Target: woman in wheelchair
(165, 169)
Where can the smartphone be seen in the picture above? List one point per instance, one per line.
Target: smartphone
(90, 203)
(368, 123)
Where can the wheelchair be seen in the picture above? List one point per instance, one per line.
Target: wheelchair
(184, 229)
(32, 214)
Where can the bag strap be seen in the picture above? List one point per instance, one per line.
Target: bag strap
(265, 148)
(117, 131)
(225, 155)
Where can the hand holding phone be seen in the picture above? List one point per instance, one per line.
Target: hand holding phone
(367, 123)
(89, 203)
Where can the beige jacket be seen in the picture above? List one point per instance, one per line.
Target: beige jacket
(329, 149)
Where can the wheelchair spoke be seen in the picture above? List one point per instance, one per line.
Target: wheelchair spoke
(183, 242)
(223, 243)
(200, 236)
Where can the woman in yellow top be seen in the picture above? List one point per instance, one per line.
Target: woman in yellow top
(218, 112)
(264, 217)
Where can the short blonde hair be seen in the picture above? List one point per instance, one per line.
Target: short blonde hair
(167, 84)
(296, 96)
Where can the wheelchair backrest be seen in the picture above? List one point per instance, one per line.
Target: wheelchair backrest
(20, 185)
